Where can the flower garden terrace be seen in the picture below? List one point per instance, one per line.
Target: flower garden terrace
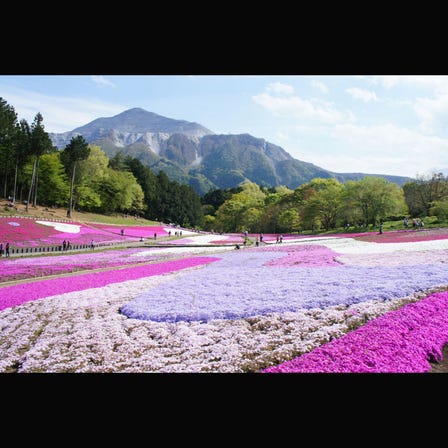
(337, 303)
(30, 232)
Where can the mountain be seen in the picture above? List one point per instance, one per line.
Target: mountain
(192, 154)
(133, 126)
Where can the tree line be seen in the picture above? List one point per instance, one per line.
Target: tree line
(82, 177)
(324, 204)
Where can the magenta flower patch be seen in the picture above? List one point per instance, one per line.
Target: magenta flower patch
(401, 341)
(304, 255)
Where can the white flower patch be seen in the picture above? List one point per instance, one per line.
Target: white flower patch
(61, 226)
(352, 246)
(184, 232)
(181, 250)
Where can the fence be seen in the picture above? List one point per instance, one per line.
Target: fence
(18, 251)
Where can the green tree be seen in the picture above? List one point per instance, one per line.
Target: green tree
(21, 151)
(440, 209)
(8, 122)
(374, 198)
(324, 206)
(234, 216)
(76, 150)
(288, 221)
(120, 192)
(91, 172)
(209, 223)
(54, 187)
(146, 179)
(421, 194)
(40, 143)
(228, 216)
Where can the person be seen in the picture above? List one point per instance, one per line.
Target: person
(122, 232)
(1, 249)
(92, 245)
(381, 228)
(169, 233)
(405, 222)
(141, 239)
(261, 237)
(280, 240)
(277, 240)
(257, 242)
(64, 245)
(7, 249)
(68, 245)
(237, 246)
(155, 235)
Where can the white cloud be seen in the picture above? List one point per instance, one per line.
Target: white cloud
(296, 107)
(437, 83)
(320, 86)
(362, 94)
(102, 81)
(433, 113)
(60, 114)
(281, 88)
(386, 149)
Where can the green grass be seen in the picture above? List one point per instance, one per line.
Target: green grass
(431, 222)
(113, 219)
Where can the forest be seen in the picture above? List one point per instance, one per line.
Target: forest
(82, 177)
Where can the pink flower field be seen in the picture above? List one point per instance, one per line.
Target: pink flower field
(25, 232)
(352, 303)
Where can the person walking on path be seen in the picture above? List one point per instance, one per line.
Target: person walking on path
(1, 249)
(92, 245)
(7, 249)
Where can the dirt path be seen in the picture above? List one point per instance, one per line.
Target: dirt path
(442, 366)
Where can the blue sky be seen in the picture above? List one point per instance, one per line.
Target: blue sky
(371, 124)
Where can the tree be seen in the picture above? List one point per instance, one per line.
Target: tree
(21, 150)
(374, 198)
(54, 187)
(76, 150)
(120, 191)
(440, 209)
(40, 143)
(325, 204)
(90, 172)
(288, 221)
(421, 194)
(8, 121)
(146, 179)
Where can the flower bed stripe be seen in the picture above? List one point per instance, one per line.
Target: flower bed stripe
(401, 341)
(18, 294)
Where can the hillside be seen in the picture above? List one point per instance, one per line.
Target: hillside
(61, 213)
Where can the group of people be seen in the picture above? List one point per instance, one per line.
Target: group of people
(6, 249)
(66, 245)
